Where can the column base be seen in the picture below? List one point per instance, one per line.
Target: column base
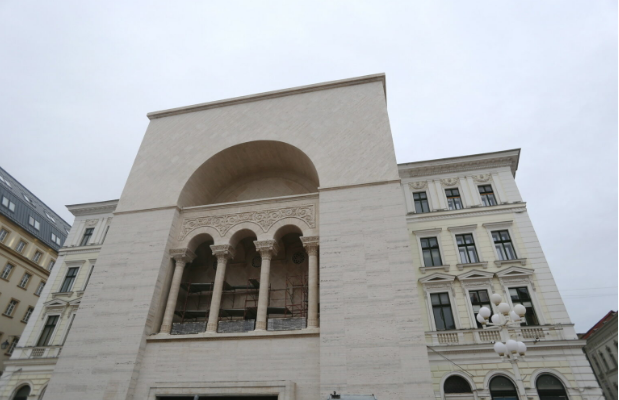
(261, 326)
(312, 323)
(165, 329)
(211, 328)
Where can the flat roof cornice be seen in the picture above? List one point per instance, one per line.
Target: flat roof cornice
(99, 207)
(273, 94)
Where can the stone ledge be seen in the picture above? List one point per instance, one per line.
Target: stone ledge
(234, 336)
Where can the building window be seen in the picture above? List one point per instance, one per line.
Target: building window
(611, 356)
(3, 234)
(27, 199)
(441, 308)
(487, 195)
(466, 248)
(49, 216)
(421, 202)
(550, 388)
(39, 289)
(6, 272)
(56, 239)
(520, 295)
(12, 346)
(20, 246)
(34, 223)
(8, 203)
(604, 361)
(51, 265)
(502, 388)
(86, 237)
(479, 299)
(37, 256)
(454, 202)
(105, 234)
(68, 280)
(27, 314)
(503, 245)
(22, 393)
(24, 280)
(431, 252)
(48, 330)
(10, 308)
(456, 384)
(92, 267)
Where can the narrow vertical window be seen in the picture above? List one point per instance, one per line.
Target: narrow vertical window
(24, 280)
(454, 202)
(441, 308)
(11, 307)
(3, 234)
(611, 356)
(604, 361)
(20, 246)
(37, 256)
(520, 295)
(34, 223)
(92, 267)
(27, 314)
(67, 284)
(503, 245)
(86, 237)
(479, 299)
(6, 272)
(105, 234)
(9, 351)
(51, 265)
(39, 289)
(421, 202)
(48, 330)
(431, 252)
(466, 248)
(487, 195)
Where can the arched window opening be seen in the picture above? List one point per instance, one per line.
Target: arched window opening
(457, 384)
(22, 393)
(550, 388)
(502, 388)
(42, 393)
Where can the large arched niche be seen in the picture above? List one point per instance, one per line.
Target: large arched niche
(250, 171)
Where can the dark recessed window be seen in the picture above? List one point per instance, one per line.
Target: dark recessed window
(20, 246)
(22, 393)
(421, 202)
(87, 236)
(431, 252)
(479, 299)
(550, 388)
(502, 388)
(441, 308)
(453, 199)
(37, 256)
(456, 384)
(3, 234)
(298, 257)
(24, 280)
(11, 307)
(27, 314)
(69, 279)
(503, 245)
(487, 195)
(520, 295)
(466, 248)
(8, 203)
(6, 271)
(48, 330)
(39, 288)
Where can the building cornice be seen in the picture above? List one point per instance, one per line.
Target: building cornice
(468, 212)
(101, 207)
(271, 95)
(24, 259)
(79, 249)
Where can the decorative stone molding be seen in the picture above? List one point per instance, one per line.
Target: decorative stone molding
(310, 243)
(91, 222)
(265, 219)
(476, 279)
(521, 261)
(443, 267)
(185, 255)
(500, 210)
(511, 162)
(266, 248)
(483, 264)
(418, 185)
(449, 182)
(481, 178)
(222, 251)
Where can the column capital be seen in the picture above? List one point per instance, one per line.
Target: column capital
(310, 243)
(185, 255)
(267, 248)
(224, 251)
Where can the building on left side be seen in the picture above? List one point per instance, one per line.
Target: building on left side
(30, 236)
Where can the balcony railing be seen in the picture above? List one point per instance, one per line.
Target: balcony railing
(44, 352)
(481, 336)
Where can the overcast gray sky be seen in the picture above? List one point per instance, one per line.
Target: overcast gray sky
(463, 77)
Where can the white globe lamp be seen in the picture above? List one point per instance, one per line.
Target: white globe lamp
(481, 319)
(522, 348)
(500, 348)
(520, 310)
(485, 312)
(514, 316)
(496, 298)
(504, 308)
(496, 319)
(512, 346)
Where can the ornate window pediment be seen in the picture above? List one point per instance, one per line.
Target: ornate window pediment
(514, 272)
(475, 275)
(438, 278)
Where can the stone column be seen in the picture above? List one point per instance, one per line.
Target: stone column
(223, 252)
(267, 249)
(181, 257)
(311, 246)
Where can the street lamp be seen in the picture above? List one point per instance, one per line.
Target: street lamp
(4, 345)
(506, 317)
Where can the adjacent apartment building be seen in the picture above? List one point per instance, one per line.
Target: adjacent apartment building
(30, 236)
(601, 350)
(270, 247)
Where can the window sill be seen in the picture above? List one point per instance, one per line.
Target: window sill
(62, 294)
(22, 288)
(5, 279)
(521, 261)
(79, 293)
(483, 264)
(434, 267)
(8, 316)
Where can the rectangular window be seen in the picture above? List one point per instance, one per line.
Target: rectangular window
(503, 245)
(37, 256)
(487, 195)
(86, 237)
(466, 248)
(520, 295)
(453, 199)
(431, 252)
(56, 239)
(27, 314)
(39, 289)
(421, 202)
(68, 280)
(34, 223)
(441, 308)
(9, 351)
(92, 267)
(48, 330)
(24, 280)
(11, 307)
(20, 246)
(51, 265)
(8, 203)
(68, 329)
(6, 272)
(3, 234)
(479, 299)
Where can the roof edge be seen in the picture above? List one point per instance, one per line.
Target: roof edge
(271, 95)
(98, 207)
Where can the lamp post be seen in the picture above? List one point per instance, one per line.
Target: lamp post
(501, 321)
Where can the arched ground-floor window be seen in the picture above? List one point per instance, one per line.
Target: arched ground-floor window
(457, 388)
(502, 388)
(550, 388)
(22, 393)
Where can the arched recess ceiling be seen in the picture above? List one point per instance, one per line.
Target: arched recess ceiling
(248, 171)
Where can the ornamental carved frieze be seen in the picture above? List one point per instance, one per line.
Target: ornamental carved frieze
(418, 185)
(265, 219)
(91, 222)
(482, 178)
(449, 182)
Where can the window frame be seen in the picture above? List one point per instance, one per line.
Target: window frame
(502, 244)
(12, 346)
(25, 286)
(8, 277)
(10, 205)
(87, 236)
(460, 196)
(513, 382)
(70, 289)
(431, 286)
(505, 226)
(451, 309)
(535, 309)
(33, 222)
(428, 233)
(8, 233)
(554, 374)
(52, 336)
(51, 264)
(431, 252)
(23, 248)
(427, 200)
(481, 195)
(27, 314)
(36, 259)
(40, 288)
(472, 234)
(14, 308)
